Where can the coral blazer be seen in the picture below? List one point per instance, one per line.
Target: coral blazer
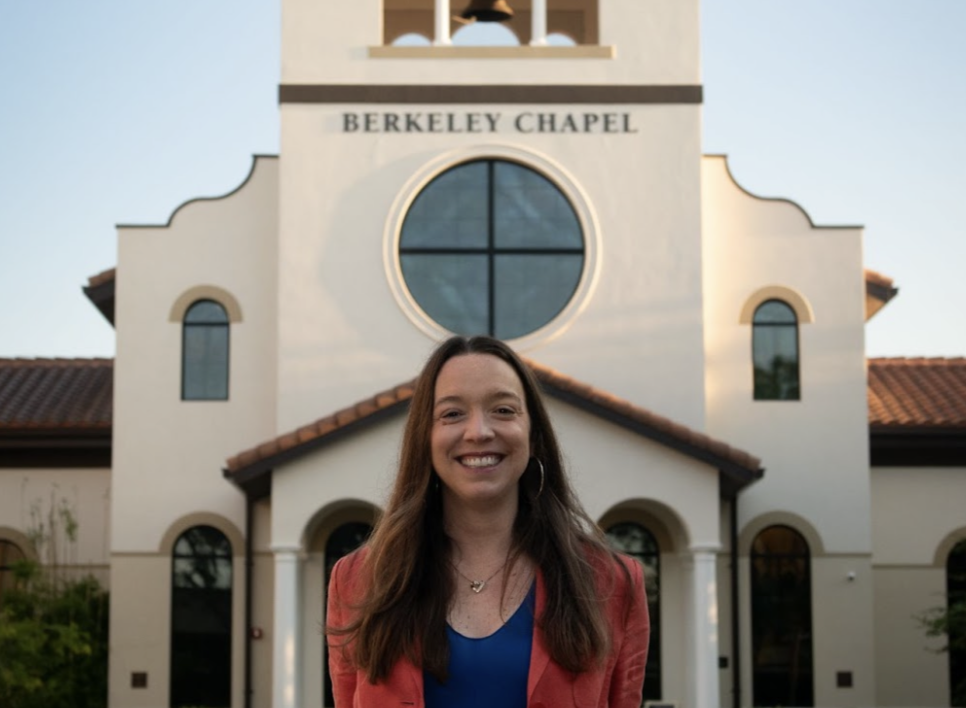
(615, 684)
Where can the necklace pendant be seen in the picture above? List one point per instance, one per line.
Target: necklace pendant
(477, 586)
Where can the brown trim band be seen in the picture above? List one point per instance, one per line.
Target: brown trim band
(318, 93)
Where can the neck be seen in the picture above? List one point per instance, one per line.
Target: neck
(477, 533)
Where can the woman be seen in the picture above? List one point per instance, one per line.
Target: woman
(484, 583)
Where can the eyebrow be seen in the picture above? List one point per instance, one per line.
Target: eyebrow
(493, 396)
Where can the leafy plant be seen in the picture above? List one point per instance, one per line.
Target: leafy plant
(949, 622)
(53, 626)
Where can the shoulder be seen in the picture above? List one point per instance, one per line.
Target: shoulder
(617, 565)
(348, 570)
(617, 575)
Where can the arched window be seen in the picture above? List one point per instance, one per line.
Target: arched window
(345, 539)
(201, 619)
(956, 607)
(775, 352)
(204, 352)
(491, 247)
(781, 619)
(636, 541)
(10, 555)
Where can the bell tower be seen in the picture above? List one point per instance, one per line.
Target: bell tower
(571, 145)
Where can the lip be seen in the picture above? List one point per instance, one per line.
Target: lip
(480, 460)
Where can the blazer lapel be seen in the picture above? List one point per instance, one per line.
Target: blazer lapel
(539, 655)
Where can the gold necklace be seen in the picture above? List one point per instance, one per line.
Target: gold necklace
(478, 585)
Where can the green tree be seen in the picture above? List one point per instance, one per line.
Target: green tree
(53, 626)
(949, 622)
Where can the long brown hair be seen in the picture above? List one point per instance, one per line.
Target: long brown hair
(407, 579)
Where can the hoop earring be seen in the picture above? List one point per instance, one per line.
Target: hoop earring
(542, 476)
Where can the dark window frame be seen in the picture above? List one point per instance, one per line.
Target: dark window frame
(186, 327)
(652, 675)
(8, 565)
(956, 593)
(344, 539)
(195, 685)
(759, 390)
(770, 630)
(492, 251)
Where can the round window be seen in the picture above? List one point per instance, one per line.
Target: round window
(491, 247)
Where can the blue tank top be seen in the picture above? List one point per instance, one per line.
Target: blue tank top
(488, 671)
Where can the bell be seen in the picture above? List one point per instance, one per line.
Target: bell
(488, 11)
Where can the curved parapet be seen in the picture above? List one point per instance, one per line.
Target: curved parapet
(256, 160)
(777, 200)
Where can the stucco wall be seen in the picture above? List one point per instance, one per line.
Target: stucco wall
(636, 329)
(30, 497)
(169, 453)
(815, 450)
(917, 519)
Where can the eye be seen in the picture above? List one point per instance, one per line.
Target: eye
(506, 410)
(449, 415)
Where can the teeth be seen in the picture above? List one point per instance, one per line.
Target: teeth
(482, 461)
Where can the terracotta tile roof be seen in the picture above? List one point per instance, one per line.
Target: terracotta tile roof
(742, 468)
(50, 395)
(917, 393)
(310, 436)
(879, 290)
(100, 290)
(644, 421)
(101, 278)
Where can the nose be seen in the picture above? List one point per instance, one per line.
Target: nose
(478, 427)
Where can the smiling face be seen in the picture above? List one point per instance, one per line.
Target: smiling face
(481, 430)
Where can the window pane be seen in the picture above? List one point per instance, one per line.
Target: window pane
(530, 212)
(956, 597)
(201, 619)
(205, 362)
(530, 290)
(775, 350)
(10, 555)
(781, 618)
(638, 542)
(451, 289)
(495, 209)
(345, 539)
(775, 312)
(206, 312)
(451, 212)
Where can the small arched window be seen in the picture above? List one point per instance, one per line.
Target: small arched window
(204, 352)
(781, 619)
(10, 555)
(638, 542)
(956, 607)
(201, 619)
(775, 352)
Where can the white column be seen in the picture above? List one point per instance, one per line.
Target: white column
(703, 641)
(441, 18)
(538, 23)
(286, 660)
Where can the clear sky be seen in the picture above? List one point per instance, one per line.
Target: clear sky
(118, 111)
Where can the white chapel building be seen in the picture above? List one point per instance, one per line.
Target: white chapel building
(701, 348)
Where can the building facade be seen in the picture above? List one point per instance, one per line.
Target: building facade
(702, 350)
